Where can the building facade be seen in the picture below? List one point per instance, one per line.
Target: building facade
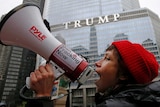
(4, 56)
(89, 27)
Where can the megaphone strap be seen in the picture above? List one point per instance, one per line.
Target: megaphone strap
(24, 89)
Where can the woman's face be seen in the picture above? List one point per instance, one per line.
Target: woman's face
(107, 69)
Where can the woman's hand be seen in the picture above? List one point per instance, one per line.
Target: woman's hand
(42, 80)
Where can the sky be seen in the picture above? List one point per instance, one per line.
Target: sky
(7, 5)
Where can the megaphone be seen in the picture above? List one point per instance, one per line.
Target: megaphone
(23, 26)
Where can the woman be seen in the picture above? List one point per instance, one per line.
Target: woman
(126, 72)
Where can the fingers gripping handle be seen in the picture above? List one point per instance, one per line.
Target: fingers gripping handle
(58, 72)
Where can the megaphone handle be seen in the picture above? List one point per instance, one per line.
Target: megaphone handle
(28, 82)
(28, 79)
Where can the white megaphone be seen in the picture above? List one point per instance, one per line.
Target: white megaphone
(23, 26)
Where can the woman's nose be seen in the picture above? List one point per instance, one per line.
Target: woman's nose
(97, 64)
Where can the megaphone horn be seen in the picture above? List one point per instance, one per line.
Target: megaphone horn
(23, 26)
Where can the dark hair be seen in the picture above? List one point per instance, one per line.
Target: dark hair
(122, 68)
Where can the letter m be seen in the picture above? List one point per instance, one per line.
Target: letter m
(103, 20)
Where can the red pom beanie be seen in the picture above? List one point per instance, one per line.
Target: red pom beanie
(141, 64)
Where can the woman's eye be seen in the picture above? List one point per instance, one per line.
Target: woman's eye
(107, 58)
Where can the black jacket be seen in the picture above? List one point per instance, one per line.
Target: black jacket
(39, 103)
(147, 95)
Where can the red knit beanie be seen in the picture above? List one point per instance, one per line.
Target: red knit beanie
(141, 64)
